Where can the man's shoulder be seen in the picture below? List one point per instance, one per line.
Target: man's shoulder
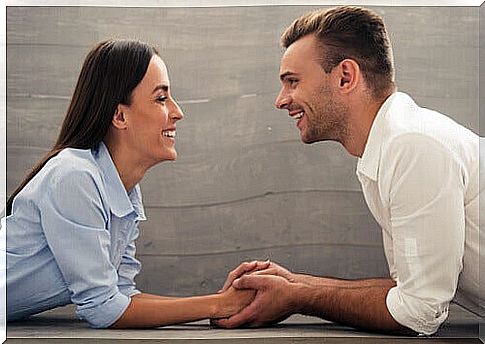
(406, 122)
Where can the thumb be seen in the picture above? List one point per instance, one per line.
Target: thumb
(251, 282)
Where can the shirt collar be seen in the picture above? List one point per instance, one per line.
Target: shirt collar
(368, 164)
(136, 201)
(121, 203)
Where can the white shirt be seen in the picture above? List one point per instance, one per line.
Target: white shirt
(420, 178)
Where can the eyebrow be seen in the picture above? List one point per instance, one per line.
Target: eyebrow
(286, 74)
(162, 87)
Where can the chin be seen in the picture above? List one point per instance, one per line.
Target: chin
(305, 139)
(168, 156)
(172, 155)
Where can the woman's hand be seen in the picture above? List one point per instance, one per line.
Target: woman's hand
(232, 301)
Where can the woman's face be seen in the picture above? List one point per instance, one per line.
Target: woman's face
(152, 115)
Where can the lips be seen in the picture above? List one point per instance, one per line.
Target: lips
(297, 114)
(169, 133)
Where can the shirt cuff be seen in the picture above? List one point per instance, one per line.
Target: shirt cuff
(415, 313)
(129, 291)
(105, 314)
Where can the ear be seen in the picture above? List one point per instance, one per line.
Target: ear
(349, 75)
(119, 119)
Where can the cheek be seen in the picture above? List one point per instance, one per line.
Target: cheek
(162, 116)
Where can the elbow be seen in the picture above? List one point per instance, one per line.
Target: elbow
(104, 314)
(415, 316)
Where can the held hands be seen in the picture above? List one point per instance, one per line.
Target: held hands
(257, 267)
(232, 301)
(275, 294)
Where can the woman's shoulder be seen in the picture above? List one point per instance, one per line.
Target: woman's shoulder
(72, 163)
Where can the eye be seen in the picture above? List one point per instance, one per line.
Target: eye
(161, 99)
(292, 81)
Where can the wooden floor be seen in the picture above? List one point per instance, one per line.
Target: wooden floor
(61, 326)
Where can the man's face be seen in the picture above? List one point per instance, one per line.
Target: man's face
(309, 94)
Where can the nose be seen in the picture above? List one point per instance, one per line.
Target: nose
(282, 100)
(176, 112)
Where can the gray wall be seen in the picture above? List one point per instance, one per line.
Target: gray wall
(244, 186)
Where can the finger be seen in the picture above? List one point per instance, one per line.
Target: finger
(241, 270)
(251, 282)
(232, 275)
(215, 322)
(241, 318)
(270, 271)
(261, 265)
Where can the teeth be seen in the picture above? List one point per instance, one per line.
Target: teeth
(169, 133)
(297, 115)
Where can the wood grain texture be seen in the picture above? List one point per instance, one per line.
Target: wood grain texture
(302, 218)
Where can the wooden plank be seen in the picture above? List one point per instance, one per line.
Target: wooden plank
(62, 326)
(55, 25)
(267, 222)
(34, 122)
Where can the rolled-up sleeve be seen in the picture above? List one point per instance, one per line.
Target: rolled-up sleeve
(426, 202)
(129, 268)
(75, 225)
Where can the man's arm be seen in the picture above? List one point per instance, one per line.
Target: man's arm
(360, 304)
(280, 293)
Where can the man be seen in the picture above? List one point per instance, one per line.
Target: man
(419, 172)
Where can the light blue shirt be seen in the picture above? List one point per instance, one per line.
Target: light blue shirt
(70, 239)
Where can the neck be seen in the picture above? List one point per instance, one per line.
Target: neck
(361, 117)
(130, 171)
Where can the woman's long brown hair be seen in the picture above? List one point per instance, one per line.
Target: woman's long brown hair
(110, 72)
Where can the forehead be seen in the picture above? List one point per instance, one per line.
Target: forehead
(156, 74)
(302, 55)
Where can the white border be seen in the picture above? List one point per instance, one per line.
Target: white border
(140, 3)
(225, 3)
(3, 171)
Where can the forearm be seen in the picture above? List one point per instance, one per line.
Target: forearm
(152, 310)
(360, 304)
(153, 296)
(343, 283)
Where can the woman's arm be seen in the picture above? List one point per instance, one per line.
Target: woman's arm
(146, 310)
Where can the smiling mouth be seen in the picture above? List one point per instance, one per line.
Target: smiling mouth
(297, 115)
(169, 133)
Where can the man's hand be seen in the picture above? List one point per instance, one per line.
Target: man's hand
(276, 299)
(257, 268)
(277, 270)
(242, 269)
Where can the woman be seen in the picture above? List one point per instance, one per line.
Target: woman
(73, 221)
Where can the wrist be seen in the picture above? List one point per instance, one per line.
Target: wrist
(303, 297)
(298, 278)
(215, 305)
(297, 296)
